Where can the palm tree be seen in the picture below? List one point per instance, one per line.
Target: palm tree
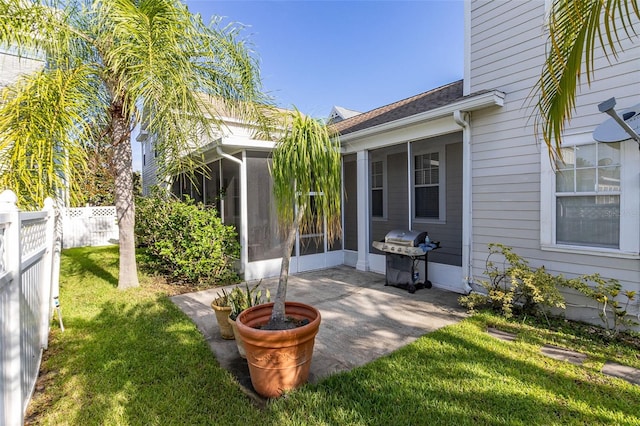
(574, 26)
(116, 64)
(307, 184)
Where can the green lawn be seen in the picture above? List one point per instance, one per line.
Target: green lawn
(133, 358)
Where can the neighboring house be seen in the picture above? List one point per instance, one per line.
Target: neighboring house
(338, 114)
(463, 162)
(12, 66)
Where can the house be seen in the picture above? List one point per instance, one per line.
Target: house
(238, 184)
(463, 162)
(339, 113)
(13, 65)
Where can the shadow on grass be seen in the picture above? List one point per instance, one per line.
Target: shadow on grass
(459, 375)
(92, 263)
(129, 357)
(145, 364)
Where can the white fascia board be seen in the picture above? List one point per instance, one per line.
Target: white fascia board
(247, 143)
(484, 100)
(408, 133)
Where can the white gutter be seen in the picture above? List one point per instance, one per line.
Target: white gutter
(484, 100)
(461, 118)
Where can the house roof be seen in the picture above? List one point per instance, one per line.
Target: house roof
(426, 101)
(339, 113)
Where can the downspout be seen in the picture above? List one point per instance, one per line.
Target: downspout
(244, 251)
(461, 118)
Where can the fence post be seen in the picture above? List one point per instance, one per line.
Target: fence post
(45, 278)
(55, 266)
(11, 381)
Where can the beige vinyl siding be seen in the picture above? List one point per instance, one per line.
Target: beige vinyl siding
(507, 52)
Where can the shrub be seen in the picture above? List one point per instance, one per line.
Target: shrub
(514, 285)
(187, 241)
(612, 313)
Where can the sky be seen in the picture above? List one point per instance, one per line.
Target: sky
(356, 54)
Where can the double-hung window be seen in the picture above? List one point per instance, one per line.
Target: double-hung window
(588, 196)
(377, 189)
(593, 202)
(426, 183)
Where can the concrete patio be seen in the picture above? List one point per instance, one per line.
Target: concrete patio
(362, 319)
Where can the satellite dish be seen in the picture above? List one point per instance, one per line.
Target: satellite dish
(612, 131)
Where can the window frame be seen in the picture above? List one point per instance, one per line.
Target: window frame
(383, 188)
(629, 241)
(442, 190)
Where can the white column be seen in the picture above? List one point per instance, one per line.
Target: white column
(244, 213)
(363, 210)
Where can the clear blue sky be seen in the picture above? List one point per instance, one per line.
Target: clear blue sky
(355, 54)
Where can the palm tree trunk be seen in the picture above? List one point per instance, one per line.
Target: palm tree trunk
(278, 313)
(125, 207)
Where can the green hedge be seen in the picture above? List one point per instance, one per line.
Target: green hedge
(187, 241)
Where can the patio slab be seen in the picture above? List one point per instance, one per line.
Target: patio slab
(362, 319)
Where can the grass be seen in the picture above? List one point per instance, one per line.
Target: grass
(133, 358)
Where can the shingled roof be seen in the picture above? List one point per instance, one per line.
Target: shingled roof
(426, 101)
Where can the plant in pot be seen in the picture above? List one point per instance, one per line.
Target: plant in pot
(221, 308)
(306, 172)
(239, 300)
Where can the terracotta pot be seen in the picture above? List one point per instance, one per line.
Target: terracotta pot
(278, 360)
(239, 341)
(222, 313)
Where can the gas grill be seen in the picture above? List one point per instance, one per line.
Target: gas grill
(403, 250)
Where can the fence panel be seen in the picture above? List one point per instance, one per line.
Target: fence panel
(28, 252)
(90, 226)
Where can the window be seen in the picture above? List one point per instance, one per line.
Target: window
(427, 185)
(588, 196)
(377, 189)
(591, 202)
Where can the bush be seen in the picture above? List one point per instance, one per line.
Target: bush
(613, 314)
(187, 241)
(514, 285)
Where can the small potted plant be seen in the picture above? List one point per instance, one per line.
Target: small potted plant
(220, 306)
(239, 300)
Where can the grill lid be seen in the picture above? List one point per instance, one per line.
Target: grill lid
(405, 237)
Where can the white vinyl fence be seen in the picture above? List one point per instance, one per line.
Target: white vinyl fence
(89, 226)
(29, 268)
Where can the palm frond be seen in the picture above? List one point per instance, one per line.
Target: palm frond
(576, 28)
(307, 163)
(43, 121)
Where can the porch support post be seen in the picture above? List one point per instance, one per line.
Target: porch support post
(363, 210)
(244, 214)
